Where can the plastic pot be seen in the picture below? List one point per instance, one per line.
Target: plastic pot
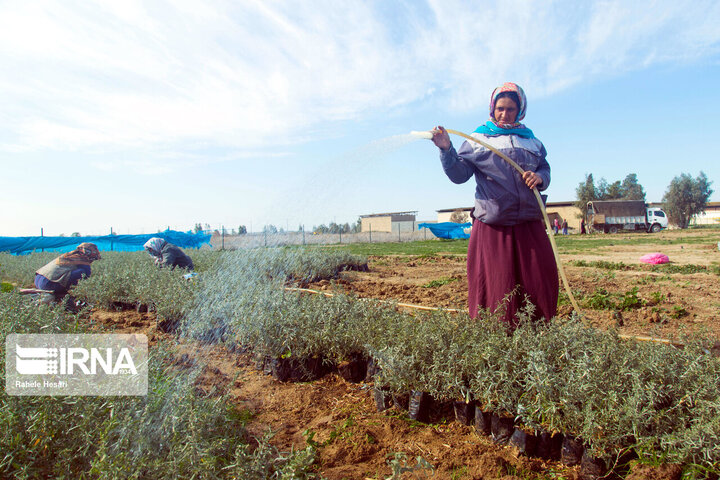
(591, 468)
(525, 442)
(464, 412)
(267, 367)
(401, 400)
(571, 451)
(259, 361)
(419, 406)
(312, 368)
(482, 422)
(372, 369)
(501, 429)
(549, 445)
(298, 370)
(281, 369)
(354, 370)
(383, 399)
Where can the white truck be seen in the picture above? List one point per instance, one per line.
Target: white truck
(612, 216)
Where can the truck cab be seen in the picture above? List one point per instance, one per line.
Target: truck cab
(656, 219)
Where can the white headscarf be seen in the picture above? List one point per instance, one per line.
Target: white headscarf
(154, 246)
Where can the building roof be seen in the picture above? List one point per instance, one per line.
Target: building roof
(413, 212)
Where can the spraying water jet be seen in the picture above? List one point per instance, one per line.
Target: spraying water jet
(427, 135)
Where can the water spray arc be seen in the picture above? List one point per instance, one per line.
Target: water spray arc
(428, 135)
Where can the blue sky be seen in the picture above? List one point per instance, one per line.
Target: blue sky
(145, 115)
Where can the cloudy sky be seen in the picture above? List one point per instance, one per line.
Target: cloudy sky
(139, 116)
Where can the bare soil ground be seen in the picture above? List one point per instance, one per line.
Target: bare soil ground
(356, 442)
(672, 304)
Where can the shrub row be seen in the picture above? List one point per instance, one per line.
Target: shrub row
(563, 377)
(171, 433)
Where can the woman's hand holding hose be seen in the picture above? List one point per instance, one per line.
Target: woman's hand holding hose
(531, 179)
(441, 138)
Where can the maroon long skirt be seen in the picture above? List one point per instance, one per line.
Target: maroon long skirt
(506, 263)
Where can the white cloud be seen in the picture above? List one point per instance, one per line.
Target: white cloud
(160, 76)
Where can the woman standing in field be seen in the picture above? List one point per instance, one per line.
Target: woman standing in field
(509, 255)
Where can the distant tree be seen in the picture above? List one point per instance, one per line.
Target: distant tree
(686, 197)
(611, 191)
(270, 229)
(357, 226)
(75, 234)
(198, 228)
(207, 226)
(607, 191)
(61, 235)
(242, 230)
(601, 189)
(585, 192)
(458, 216)
(630, 189)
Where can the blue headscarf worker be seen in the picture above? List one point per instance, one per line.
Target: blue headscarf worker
(510, 257)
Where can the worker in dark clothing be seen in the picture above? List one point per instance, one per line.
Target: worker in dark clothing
(168, 255)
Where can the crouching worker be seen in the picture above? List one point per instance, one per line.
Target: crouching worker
(168, 255)
(66, 271)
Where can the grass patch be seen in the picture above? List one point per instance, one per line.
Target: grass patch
(603, 264)
(685, 269)
(419, 248)
(440, 282)
(601, 299)
(667, 268)
(678, 312)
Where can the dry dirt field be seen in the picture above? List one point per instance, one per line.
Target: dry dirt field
(356, 441)
(671, 303)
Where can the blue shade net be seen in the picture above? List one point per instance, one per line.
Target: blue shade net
(118, 243)
(449, 230)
